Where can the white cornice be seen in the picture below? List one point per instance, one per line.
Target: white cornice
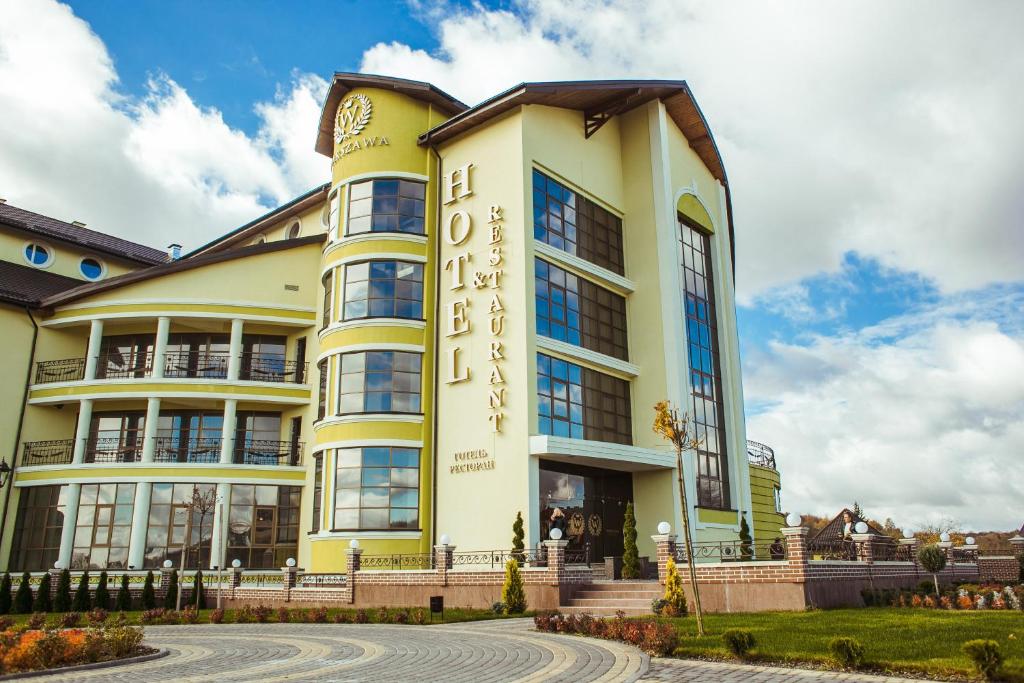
(376, 346)
(367, 443)
(587, 356)
(597, 274)
(360, 323)
(357, 418)
(630, 457)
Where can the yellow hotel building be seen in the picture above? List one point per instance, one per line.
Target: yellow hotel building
(472, 318)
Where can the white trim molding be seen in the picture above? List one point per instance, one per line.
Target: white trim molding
(325, 535)
(375, 256)
(374, 237)
(376, 346)
(358, 323)
(597, 274)
(366, 443)
(356, 418)
(600, 453)
(371, 175)
(620, 367)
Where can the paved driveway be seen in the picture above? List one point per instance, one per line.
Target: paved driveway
(472, 652)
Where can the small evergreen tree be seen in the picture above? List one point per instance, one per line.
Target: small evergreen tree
(148, 592)
(124, 596)
(171, 596)
(62, 601)
(5, 594)
(82, 602)
(513, 593)
(102, 597)
(933, 561)
(23, 599)
(199, 591)
(675, 596)
(858, 512)
(43, 602)
(746, 541)
(630, 554)
(518, 534)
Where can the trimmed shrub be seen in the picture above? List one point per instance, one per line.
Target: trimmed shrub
(124, 596)
(318, 615)
(630, 554)
(43, 602)
(498, 607)
(401, 616)
(847, 652)
(148, 592)
(37, 621)
(69, 619)
(97, 617)
(513, 592)
(658, 605)
(933, 560)
(198, 591)
(362, 617)
(189, 615)
(746, 541)
(171, 596)
(23, 598)
(675, 596)
(342, 618)
(739, 641)
(101, 598)
(518, 536)
(217, 616)
(986, 657)
(62, 601)
(82, 602)
(261, 613)
(5, 594)
(282, 615)
(153, 616)
(420, 616)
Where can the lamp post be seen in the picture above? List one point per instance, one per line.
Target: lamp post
(220, 546)
(5, 473)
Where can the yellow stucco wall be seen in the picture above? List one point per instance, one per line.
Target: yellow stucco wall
(766, 520)
(66, 257)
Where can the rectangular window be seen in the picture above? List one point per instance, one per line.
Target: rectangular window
(377, 488)
(36, 542)
(328, 283)
(263, 526)
(125, 356)
(318, 490)
(580, 403)
(258, 439)
(263, 359)
(115, 437)
(197, 355)
(575, 224)
(380, 382)
(705, 370)
(169, 525)
(575, 310)
(333, 209)
(321, 408)
(383, 289)
(189, 436)
(104, 526)
(386, 205)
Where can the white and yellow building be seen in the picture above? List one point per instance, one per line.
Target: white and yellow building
(474, 317)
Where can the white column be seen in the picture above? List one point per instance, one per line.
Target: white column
(235, 350)
(149, 429)
(227, 433)
(67, 532)
(163, 328)
(93, 351)
(220, 521)
(82, 431)
(140, 525)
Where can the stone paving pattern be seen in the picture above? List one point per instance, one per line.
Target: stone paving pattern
(476, 652)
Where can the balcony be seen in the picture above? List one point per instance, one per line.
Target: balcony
(253, 367)
(760, 455)
(167, 450)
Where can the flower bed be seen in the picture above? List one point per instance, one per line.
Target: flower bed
(650, 636)
(963, 597)
(27, 649)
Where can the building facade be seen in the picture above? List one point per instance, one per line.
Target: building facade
(472, 319)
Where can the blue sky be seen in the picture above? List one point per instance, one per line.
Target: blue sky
(875, 169)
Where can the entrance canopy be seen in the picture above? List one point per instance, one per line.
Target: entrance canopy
(600, 454)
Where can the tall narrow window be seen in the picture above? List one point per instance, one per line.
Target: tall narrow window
(328, 282)
(318, 490)
(705, 369)
(386, 205)
(37, 531)
(321, 408)
(331, 213)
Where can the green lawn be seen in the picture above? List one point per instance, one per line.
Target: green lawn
(918, 640)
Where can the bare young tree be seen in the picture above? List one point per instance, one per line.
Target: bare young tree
(204, 504)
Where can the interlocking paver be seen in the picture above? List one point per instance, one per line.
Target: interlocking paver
(508, 650)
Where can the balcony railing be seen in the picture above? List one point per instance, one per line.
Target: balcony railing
(174, 449)
(254, 367)
(114, 449)
(261, 452)
(759, 454)
(47, 452)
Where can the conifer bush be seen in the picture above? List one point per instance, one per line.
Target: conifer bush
(675, 597)
(62, 601)
(987, 658)
(513, 592)
(199, 591)
(5, 594)
(739, 641)
(82, 601)
(518, 536)
(848, 652)
(43, 601)
(23, 598)
(124, 596)
(630, 554)
(102, 596)
(148, 592)
(171, 596)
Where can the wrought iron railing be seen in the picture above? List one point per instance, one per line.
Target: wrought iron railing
(734, 551)
(832, 550)
(263, 452)
(47, 452)
(118, 366)
(202, 364)
(760, 454)
(64, 370)
(496, 559)
(308, 580)
(196, 449)
(271, 367)
(398, 561)
(113, 449)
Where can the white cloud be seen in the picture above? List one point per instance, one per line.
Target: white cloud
(886, 129)
(156, 169)
(926, 427)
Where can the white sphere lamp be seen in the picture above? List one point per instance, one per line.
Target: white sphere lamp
(236, 563)
(290, 562)
(168, 564)
(445, 539)
(861, 528)
(908, 534)
(944, 537)
(969, 540)
(664, 528)
(793, 519)
(354, 544)
(555, 534)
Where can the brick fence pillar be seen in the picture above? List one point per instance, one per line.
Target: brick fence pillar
(165, 580)
(910, 544)
(236, 579)
(352, 567)
(797, 555)
(665, 545)
(556, 560)
(947, 548)
(54, 580)
(288, 580)
(865, 547)
(1017, 543)
(443, 562)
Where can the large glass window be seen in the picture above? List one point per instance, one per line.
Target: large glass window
(576, 225)
(380, 382)
(580, 403)
(328, 283)
(125, 356)
(197, 355)
(575, 310)
(377, 488)
(170, 525)
(383, 289)
(263, 525)
(258, 439)
(263, 358)
(115, 437)
(318, 490)
(36, 542)
(189, 436)
(386, 205)
(705, 370)
(104, 526)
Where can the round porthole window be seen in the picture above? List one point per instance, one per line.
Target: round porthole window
(38, 255)
(293, 232)
(91, 269)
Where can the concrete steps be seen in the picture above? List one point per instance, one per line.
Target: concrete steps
(605, 598)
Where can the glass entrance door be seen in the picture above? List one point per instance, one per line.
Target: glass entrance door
(588, 504)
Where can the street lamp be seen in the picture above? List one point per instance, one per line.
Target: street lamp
(5, 473)
(220, 545)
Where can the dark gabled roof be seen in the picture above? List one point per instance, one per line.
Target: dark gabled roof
(177, 267)
(344, 82)
(832, 532)
(290, 208)
(76, 234)
(27, 286)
